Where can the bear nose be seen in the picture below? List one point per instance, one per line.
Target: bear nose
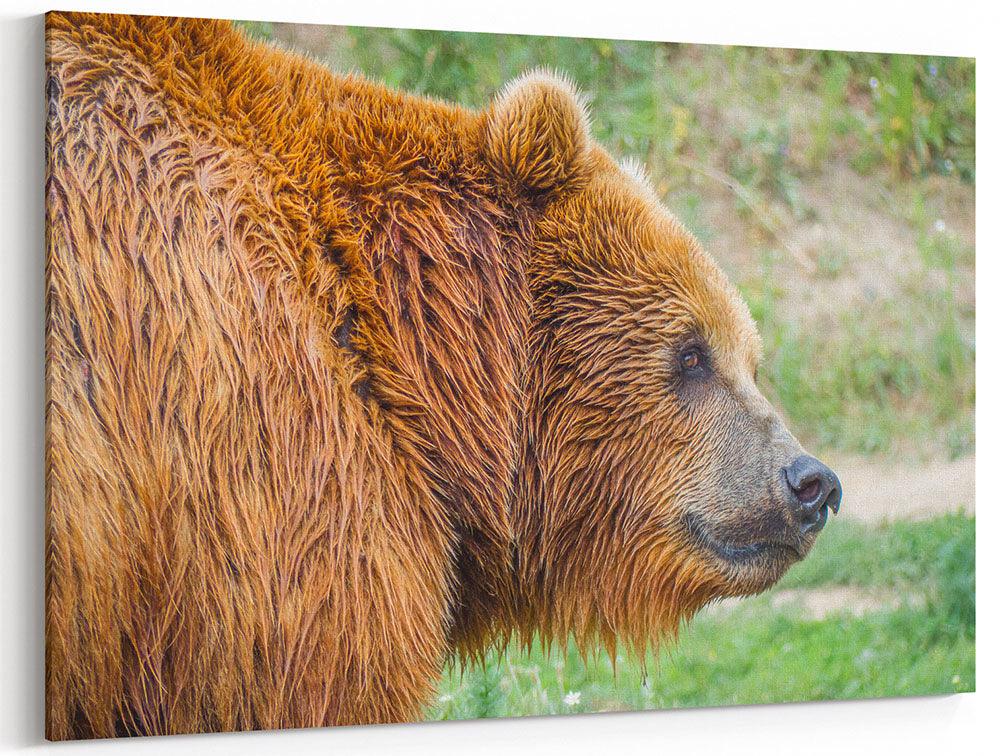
(815, 489)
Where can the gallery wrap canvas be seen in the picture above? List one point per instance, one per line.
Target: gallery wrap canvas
(399, 375)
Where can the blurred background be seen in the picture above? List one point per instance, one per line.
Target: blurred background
(838, 191)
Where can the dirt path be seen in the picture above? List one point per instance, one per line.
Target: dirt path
(874, 492)
(820, 603)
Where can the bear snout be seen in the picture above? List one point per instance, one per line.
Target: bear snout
(813, 490)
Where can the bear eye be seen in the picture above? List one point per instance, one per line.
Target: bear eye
(692, 359)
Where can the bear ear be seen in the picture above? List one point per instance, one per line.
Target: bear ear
(537, 131)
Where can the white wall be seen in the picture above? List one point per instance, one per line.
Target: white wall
(914, 726)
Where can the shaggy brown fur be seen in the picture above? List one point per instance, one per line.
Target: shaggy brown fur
(342, 381)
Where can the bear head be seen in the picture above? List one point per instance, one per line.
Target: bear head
(654, 475)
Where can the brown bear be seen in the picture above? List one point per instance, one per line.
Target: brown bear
(343, 383)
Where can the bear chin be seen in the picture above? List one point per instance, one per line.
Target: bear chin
(751, 564)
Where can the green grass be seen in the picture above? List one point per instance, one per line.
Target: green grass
(880, 375)
(872, 383)
(759, 653)
(899, 554)
(750, 657)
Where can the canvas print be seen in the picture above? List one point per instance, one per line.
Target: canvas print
(400, 375)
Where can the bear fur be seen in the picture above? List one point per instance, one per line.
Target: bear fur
(335, 388)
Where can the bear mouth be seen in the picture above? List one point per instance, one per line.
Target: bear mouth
(741, 553)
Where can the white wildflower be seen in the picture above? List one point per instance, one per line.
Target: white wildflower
(939, 226)
(572, 698)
